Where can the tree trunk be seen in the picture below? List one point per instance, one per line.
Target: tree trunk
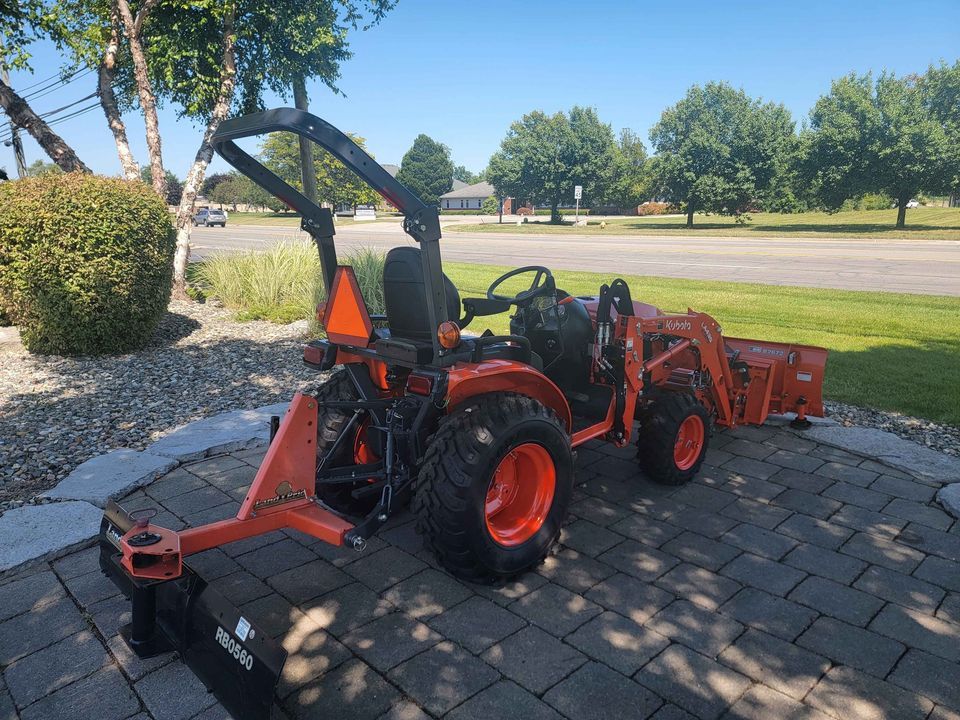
(308, 171)
(690, 213)
(22, 115)
(555, 212)
(148, 101)
(108, 67)
(191, 186)
(902, 210)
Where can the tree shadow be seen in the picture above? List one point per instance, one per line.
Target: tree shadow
(172, 328)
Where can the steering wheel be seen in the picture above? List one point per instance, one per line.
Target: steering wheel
(543, 283)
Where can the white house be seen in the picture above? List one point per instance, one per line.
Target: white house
(469, 197)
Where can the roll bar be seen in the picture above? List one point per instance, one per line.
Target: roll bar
(421, 222)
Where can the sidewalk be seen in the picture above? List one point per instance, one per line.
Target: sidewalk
(790, 580)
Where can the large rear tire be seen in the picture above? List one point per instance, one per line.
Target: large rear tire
(673, 438)
(354, 450)
(494, 487)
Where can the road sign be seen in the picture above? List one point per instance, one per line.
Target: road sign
(577, 192)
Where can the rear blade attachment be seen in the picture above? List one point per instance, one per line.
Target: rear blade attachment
(234, 657)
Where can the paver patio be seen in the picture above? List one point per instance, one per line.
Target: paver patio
(790, 580)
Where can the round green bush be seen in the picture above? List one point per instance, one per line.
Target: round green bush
(85, 262)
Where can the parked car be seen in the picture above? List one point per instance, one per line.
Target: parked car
(209, 216)
(913, 204)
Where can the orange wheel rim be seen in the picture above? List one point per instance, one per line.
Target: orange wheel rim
(689, 442)
(520, 494)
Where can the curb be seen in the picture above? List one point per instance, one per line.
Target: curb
(70, 519)
(927, 466)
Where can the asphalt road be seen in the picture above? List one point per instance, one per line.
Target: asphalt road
(911, 266)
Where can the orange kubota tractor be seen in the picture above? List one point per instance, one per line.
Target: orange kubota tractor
(479, 432)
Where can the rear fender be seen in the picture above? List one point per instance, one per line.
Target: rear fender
(468, 380)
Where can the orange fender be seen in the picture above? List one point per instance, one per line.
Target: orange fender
(467, 380)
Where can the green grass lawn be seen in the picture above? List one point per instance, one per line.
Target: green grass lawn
(889, 351)
(922, 223)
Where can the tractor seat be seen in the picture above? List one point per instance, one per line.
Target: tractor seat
(405, 296)
(410, 336)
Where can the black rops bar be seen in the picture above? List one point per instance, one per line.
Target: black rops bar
(421, 222)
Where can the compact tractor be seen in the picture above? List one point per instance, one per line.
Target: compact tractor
(476, 431)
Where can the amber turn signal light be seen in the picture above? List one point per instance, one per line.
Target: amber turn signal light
(448, 334)
(321, 311)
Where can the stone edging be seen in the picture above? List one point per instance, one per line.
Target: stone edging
(35, 533)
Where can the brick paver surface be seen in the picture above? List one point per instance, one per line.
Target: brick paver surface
(789, 580)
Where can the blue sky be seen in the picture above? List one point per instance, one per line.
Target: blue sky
(461, 72)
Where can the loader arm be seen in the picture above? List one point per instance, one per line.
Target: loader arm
(702, 335)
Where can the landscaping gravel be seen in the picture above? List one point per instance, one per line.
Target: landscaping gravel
(936, 436)
(57, 412)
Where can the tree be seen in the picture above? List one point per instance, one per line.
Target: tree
(39, 168)
(463, 175)
(544, 156)
(133, 31)
(630, 183)
(212, 181)
(427, 170)
(210, 58)
(941, 96)
(876, 137)
(717, 150)
(172, 183)
(91, 30)
(336, 185)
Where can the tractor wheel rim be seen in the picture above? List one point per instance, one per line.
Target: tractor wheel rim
(689, 442)
(520, 494)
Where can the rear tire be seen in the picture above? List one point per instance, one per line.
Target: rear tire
(494, 487)
(330, 423)
(673, 438)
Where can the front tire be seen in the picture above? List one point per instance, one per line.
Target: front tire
(494, 487)
(673, 438)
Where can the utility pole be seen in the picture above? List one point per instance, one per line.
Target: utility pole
(14, 131)
(307, 169)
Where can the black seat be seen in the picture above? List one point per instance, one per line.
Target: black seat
(405, 296)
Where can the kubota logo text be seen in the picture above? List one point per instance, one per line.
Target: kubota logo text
(234, 648)
(678, 325)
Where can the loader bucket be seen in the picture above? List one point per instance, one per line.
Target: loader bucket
(234, 658)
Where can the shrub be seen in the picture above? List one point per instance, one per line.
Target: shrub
(85, 262)
(653, 208)
(283, 283)
(490, 206)
(525, 211)
(869, 201)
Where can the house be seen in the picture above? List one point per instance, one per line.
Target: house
(469, 197)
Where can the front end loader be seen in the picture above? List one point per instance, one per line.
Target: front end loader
(477, 433)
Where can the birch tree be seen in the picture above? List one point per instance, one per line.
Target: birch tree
(214, 57)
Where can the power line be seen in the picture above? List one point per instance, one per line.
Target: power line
(55, 76)
(61, 109)
(56, 86)
(70, 116)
